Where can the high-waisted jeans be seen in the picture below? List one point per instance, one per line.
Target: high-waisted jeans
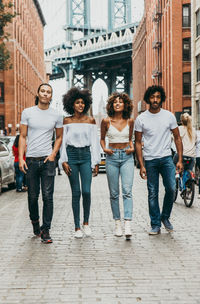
(120, 164)
(79, 160)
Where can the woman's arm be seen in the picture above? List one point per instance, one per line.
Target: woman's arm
(104, 129)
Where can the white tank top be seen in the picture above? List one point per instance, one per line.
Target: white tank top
(116, 136)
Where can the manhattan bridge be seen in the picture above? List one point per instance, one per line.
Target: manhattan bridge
(100, 53)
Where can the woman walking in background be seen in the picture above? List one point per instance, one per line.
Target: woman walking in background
(118, 127)
(80, 153)
(19, 175)
(189, 137)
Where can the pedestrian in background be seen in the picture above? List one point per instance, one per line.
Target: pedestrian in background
(19, 175)
(118, 127)
(189, 138)
(79, 153)
(156, 125)
(38, 124)
(198, 157)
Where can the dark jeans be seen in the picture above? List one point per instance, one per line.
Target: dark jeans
(40, 173)
(19, 176)
(79, 160)
(166, 168)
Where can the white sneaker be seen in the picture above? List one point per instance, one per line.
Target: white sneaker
(78, 234)
(127, 226)
(87, 230)
(118, 228)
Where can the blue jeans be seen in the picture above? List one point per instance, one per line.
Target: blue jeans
(40, 173)
(120, 164)
(166, 168)
(19, 176)
(79, 160)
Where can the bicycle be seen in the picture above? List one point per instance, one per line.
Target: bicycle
(185, 183)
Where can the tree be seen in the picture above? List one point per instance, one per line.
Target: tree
(6, 16)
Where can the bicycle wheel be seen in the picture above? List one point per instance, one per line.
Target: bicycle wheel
(188, 195)
(176, 190)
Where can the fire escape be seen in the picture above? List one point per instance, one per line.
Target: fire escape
(157, 44)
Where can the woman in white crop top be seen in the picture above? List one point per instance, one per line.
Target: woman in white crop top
(80, 153)
(118, 127)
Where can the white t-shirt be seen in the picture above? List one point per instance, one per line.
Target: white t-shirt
(189, 146)
(156, 129)
(41, 124)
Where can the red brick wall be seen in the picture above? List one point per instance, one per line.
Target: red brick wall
(26, 49)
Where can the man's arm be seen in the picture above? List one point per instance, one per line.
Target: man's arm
(179, 148)
(138, 148)
(57, 144)
(22, 147)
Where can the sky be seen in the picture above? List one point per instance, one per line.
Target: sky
(55, 15)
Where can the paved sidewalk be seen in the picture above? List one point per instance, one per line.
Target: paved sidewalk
(163, 269)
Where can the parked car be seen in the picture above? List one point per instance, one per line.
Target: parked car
(7, 171)
(9, 141)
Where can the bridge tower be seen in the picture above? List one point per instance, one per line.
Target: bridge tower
(78, 20)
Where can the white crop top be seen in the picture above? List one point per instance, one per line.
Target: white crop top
(80, 135)
(116, 136)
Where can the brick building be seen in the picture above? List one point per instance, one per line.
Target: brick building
(19, 85)
(195, 38)
(168, 51)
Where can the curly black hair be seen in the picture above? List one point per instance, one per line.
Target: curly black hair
(128, 105)
(72, 95)
(151, 90)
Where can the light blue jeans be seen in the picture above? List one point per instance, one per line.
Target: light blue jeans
(120, 164)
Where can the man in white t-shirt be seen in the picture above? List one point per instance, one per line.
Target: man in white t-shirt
(38, 124)
(155, 126)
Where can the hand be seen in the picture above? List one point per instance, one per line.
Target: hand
(95, 170)
(23, 166)
(51, 158)
(129, 151)
(67, 168)
(108, 151)
(179, 167)
(143, 173)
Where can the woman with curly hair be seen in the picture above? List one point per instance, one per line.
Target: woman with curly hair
(80, 153)
(118, 127)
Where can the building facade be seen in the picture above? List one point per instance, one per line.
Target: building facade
(139, 68)
(18, 86)
(168, 51)
(195, 38)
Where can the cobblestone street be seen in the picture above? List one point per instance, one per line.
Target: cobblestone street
(163, 269)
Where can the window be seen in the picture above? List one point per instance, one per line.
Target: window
(2, 122)
(198, 22)
(198, 68)
(186, 15)
(187, 83)
(1, 92)
(186, 49)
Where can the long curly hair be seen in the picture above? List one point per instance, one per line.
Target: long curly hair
(128, 105)
(151, 90)
(72, 95)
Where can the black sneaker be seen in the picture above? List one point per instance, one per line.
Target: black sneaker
(36, 228)
(45, 236)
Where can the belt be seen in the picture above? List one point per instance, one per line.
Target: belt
(36, 158)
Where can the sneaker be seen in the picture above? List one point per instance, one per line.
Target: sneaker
(127, 226)
(36, 228)
(118, 228)
(154, 230)
(18, 190)
(45, 236)
(87, 230)
(78, 234)
(167, 224)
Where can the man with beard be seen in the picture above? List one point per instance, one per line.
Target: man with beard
(156, 125)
